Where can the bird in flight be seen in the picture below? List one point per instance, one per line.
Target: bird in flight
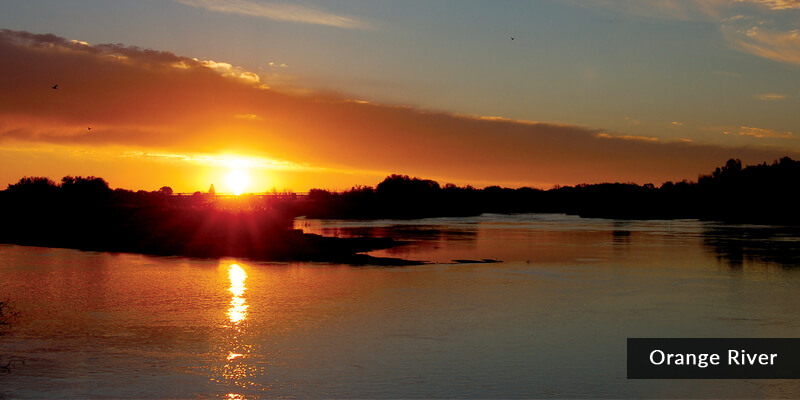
(512, 38)
(89, 128)
(55, 86)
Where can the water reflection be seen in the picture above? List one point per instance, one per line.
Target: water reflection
(736, 244)
(235, 371)
(203, 328)
(621, 237)
(416, 238)
(238, 310)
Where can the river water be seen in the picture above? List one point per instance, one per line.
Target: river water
(549, 319)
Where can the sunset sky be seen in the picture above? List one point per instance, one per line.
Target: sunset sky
(331, 94)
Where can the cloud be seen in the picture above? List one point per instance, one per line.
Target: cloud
(763, 133)
(693, 10)
(251, 117)
(228, 70)
(774, 35)
(219, 161)
(627, 137)
(278, 12)
(781, 46)
(765, 28)
(697, 10)
(776, 4)
(132, 56)
(728, 74)
(161, 103)
(632, 121)
(771, 96)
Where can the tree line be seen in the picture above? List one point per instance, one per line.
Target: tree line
(762, 193)
(85, 213)
(81, 210)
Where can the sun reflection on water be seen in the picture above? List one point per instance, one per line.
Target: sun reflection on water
(236, 372)
(238, 310)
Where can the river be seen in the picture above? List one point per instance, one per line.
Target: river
(547, 318)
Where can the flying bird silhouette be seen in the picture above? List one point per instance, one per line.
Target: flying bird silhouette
(55, 86)
(512, 38)
(89, 128)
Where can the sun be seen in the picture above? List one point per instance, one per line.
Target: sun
(237, 181)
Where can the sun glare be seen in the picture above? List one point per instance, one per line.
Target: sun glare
(237, 181)
(238, 310)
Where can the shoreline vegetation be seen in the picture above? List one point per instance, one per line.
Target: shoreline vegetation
(759, 194)
(86, 214)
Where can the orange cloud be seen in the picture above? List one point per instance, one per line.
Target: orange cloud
(252, 117)
(666, 9)
(159, 103)
(782, 46)
(228, 71)
(771, 96)
(278, 12)
(777, 4)
(764, 133)
(628, 137)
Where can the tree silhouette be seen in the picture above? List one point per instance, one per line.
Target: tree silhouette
(84, 213)
(34, 186)
(758, 193)
(91, 184)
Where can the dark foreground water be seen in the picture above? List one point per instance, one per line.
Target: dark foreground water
(549, 320)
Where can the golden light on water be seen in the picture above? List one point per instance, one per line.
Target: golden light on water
(238, 309)
(236, 372)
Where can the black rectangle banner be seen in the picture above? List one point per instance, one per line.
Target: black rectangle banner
(652, 358)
